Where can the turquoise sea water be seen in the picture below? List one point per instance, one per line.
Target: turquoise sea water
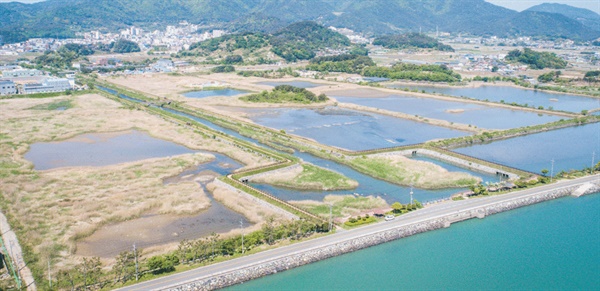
(554, 245)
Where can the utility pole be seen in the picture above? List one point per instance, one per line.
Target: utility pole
(330, 216)
(136, 263)
(552, 171)
(411, 194)
(242, 226)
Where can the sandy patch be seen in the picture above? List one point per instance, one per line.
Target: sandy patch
(455, 110)
(256, 212)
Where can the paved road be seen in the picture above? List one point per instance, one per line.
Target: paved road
(436, 211)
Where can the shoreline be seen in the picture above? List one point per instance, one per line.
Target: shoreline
(286, 261)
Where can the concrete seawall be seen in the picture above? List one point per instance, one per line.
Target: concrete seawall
(292, 260)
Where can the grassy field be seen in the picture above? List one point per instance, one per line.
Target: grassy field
(307, 177)
(343, 206)
(56, 105)
(404, 171)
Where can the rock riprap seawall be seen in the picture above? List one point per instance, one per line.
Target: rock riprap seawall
(293, 260)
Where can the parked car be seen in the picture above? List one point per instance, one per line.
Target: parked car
(389, 217)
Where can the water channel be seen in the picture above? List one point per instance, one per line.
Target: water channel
(368, 185)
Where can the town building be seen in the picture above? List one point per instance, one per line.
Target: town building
(7, 87)
(21, 73)
(47, 86)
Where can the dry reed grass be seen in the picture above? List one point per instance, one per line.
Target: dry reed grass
(58, 206)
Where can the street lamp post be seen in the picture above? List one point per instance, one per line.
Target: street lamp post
(242, 227)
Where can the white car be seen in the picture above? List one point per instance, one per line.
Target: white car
(389, 217)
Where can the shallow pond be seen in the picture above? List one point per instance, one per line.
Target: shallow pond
(101, 149)
(350, 129)
(558, 101)
(210, 93)
(571, 148)
(150, 230)
(299, 84)
(459, 112)
(371, 186)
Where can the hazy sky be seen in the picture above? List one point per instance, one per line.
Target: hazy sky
(519, 5)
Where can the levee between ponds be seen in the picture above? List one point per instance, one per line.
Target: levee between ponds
(314, 254)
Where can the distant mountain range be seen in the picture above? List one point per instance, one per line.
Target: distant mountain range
(586, 17)
(61, 18)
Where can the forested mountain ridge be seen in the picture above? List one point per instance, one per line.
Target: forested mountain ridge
(62, 18)
(586, 17)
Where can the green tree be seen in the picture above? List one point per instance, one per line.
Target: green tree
(397, 207)
(545, 172)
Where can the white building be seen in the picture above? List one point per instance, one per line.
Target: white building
(7, 87)
(48, 86)
(21, 73)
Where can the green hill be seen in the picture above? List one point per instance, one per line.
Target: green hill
(411, 40)
(62, 18)
(536, 60)
(298, 41)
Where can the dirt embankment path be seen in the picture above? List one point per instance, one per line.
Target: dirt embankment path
(16, 254)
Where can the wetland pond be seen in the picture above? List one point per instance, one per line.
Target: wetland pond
(211, 93)
(103, 149)
(460, 112)
(558, 101)
(570, 148)
(349, 129)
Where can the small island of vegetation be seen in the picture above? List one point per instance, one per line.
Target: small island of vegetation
(411, 40)
(347, 63)
(307, 177)
(536, 60)
(286, 94)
